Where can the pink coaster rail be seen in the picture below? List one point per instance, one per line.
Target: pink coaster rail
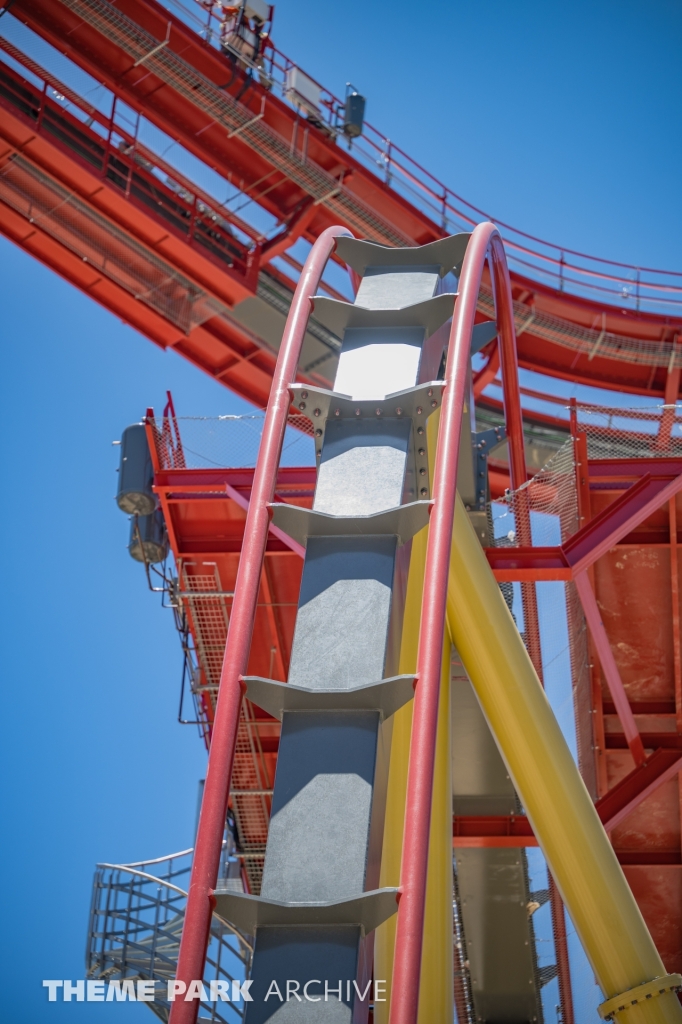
(485, 243)
(200, 901)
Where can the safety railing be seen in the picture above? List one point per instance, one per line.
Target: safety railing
(609, 282)
(116, 155)
(136, 919)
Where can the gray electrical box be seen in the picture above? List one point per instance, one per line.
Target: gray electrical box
(135, 474)
(148, 538)
(354, 115)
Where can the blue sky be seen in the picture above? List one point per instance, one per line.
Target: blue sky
(563, 120)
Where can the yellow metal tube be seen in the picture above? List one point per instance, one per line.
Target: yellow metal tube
(578, 852)
(436, 992)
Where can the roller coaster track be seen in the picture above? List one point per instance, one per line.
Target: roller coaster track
(589, 320)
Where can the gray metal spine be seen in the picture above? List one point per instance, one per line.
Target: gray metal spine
(495, 902)
(319, 901)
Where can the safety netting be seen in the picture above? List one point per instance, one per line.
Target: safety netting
(643, 432)
(209, 442)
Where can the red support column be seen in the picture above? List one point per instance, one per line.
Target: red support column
(675, 596)
(517, 458)
(561, 952)
(672, 390)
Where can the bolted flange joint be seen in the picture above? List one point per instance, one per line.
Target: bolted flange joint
(649, 990)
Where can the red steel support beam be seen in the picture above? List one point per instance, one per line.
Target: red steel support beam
(243, 502)
(609, 667)
(620, 801)
(291, 233)
(592, 541)
(675, 596)
(561, 952)
(485, 243)
(613, 808)
(618, 519)
(205, 865)
(672, 390)
(517, 454)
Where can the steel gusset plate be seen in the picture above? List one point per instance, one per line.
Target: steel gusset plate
(417, 404)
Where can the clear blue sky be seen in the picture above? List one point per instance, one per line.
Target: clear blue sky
(561, 119)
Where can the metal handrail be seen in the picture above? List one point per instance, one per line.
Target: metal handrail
(221, 754)
(446, 209)
(144, 874)
(175, 888)
(135, 147)
(485, 243)
(157, 860)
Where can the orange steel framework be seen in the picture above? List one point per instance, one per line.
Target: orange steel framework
(629, 508)
(185, 89)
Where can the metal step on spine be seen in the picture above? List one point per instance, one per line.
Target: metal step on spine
(320, 902)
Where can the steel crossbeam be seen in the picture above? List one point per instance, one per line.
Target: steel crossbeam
(654, 487)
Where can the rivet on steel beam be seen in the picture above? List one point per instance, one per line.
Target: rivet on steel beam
(420, 430)
(317, 412)
(430, 392)
(304, 394)
(301, 406)
(434, 403)
(421, 451)
(378, 412)
(399, 411)
(318, 432)
(337, 412)
(423, 492)
(419, 410)
(358, 412)
(422, 471)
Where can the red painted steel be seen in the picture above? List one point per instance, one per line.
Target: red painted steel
(485, 243)
(675, 609)
(244, 503)
(609, 667)
(617, 520)
(625, 796)
(561, 950)
(229, 357)
(525, 563)
(612, 808)
(214, 804)
(395, 218)
(517, 455)
(602, 533)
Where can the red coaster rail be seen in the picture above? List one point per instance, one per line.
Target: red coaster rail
(221, 755)
(485, 243)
